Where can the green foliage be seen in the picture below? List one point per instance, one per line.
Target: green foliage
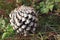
(6, 28)
(2, 23)
(57, 0)
(50, 22)
(8, 32)
(45, 6)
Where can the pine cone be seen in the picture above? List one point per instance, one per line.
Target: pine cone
(24, 20)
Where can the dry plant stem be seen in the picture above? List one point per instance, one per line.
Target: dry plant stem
(33, 1)
(17, 3)
(41, 36)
